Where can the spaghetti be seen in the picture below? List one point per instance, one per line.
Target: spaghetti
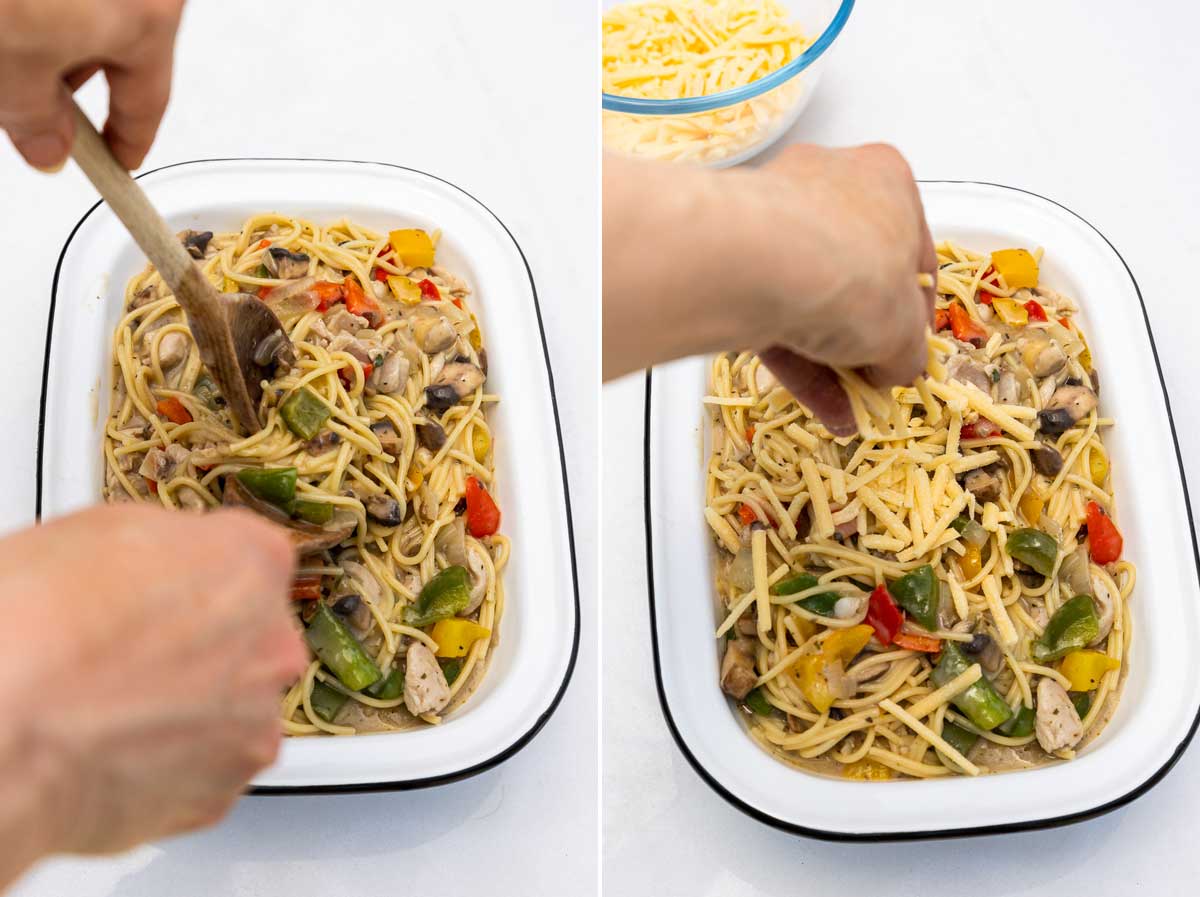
(943, 593)
(375, 453)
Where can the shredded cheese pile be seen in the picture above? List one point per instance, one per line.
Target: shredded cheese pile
(689, 48)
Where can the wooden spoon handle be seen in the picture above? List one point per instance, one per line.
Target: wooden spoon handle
(131, 205)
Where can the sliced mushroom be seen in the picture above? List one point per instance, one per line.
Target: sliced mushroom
(1042, 356)
(983, 483)
(478, 571)
(451, 542)
(323, 442)
(456, 381)
(1047, 460)
(1008, 389)
(1068, 406)
(984, 648)
(1104, 603)
(1058, 726)
(195, 242)
(160, 465)
(384, 509)
(425, 687)
(430, 434)
(391, 376)
(285, 264)
(434, 335)
(389, 439)
(307, 538)
(737, 668)
(144, 296)
(963, 369)
(1075, 571)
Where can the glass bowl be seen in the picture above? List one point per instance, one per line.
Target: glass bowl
(729, 127)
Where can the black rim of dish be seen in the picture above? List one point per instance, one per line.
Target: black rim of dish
(970, 831)
(524, 739)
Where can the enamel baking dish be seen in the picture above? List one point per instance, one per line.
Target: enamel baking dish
(539, 632)
(1157, 714)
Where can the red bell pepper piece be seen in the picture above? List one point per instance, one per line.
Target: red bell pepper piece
(746, 514)
(1035, 310)
(750, 434)
(173, 410)
(263, 244)
(483, 516)
(884, 616)
(306, 588)
(1103, 537)
(328, 294)
(380, 274)
(429, 290)
(979, 429)
(964, 328)
(941, 320)
(346, 374)
(1065, 323)
(912, 642)
(152, 485)
(359, 303)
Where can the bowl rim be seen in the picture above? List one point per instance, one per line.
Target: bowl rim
(936, 834)
(522, 740)
(612, 102)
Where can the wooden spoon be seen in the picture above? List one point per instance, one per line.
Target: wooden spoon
(238, 336)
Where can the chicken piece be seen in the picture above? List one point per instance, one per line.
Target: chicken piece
(434, 334)
(425, 687)
(1058, 726)
(161, 465)
(963, 369)
(341, 321)
(172, 349)
(391, 376)
(1008, 389)
(737, 668)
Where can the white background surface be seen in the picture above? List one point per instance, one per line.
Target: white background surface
(450, 89)
(1093, 105)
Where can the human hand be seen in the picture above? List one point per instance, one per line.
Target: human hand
(842, 240)
(48, 48)
(143, 658)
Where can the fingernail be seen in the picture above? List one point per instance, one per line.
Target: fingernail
(46, 152)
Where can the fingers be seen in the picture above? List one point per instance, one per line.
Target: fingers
(928, 261)
(909, 360)
(815, 386)
(36, 113)
(137, 100)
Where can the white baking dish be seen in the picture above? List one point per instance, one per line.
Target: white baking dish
(1158, 711)
(540, 629)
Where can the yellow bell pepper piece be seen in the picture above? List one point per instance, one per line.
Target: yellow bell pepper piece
(844, 644)
(809, 675)
(1085, 669)
(481, 443)
(231, 286)
(1010, 312)
(414, 479)
(413, 246)
(1031, 506)
(404, 289)
(970, 563)
(866, 770)
(475, 339)
(1018, 267)
(806, 627)
(455, 637)
(1097, 466)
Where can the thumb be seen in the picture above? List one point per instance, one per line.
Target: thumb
(815, 386)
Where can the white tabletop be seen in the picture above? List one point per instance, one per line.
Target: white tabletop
(1094, 105)
(458, 90)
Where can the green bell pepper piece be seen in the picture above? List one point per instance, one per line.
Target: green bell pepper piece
(318, 512)
(1019, 725)
(304, 413)
(1074, 625)
(261, 271)
(443, 596)
(1082, 701)
(959, 738)
(821, 603)
(338, 649)
(980, 701)
(451, 668)
(1033, 547)
(389, 687)
(326, 701)
(758, 702)
(274, 484)
(918, 593)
